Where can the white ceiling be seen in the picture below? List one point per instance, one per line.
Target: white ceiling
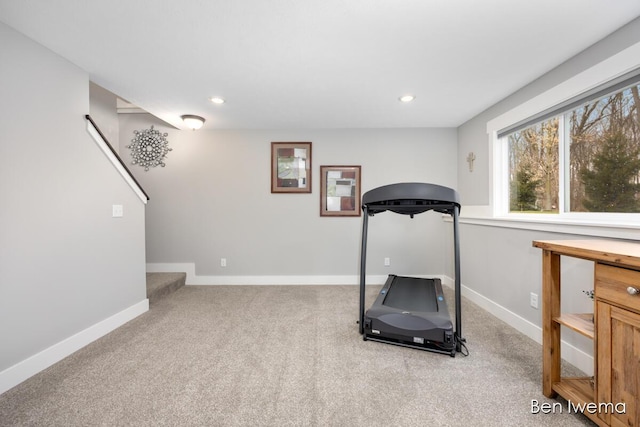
(293, 64)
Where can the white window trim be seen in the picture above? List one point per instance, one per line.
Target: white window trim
(601, 225)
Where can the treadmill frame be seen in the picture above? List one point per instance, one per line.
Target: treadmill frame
(411, 199)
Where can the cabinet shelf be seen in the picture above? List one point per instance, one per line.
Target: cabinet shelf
(578, 391)
(582, 323)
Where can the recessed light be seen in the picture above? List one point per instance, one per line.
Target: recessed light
(216, 100)
(407, 98)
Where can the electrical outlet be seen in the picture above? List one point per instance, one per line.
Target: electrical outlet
(387, 262)
(533, 300)
(223, 262)
(117, 211)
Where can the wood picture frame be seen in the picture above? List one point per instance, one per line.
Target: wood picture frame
(340, 191)
(291, 167)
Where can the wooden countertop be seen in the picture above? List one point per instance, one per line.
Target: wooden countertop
(619, 252)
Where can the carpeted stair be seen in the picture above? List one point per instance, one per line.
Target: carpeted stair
(160, 285)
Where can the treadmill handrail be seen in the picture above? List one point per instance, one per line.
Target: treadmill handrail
(410, 198)
(410, 207)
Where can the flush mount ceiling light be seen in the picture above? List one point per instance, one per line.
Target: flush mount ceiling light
(216, 100)
(407, 98)
(193, 122)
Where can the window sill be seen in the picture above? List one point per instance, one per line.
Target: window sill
(614, 226)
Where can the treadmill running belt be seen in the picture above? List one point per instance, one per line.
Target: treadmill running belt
(412, 294)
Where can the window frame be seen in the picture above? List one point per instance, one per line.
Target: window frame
(591, 79)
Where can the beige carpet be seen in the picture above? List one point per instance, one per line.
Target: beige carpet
(283, 355)
(159, 285)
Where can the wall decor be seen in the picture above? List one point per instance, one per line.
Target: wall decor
(340, 190)
(148, 148)
(291, 167)
(471, 157)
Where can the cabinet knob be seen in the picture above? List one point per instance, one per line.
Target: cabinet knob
(633, 291)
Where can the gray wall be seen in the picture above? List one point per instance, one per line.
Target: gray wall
(213, 200)
(472, 135)
(500, 263)
(103, 109)
(65, 263)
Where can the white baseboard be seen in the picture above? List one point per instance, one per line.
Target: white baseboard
(19, 372)
(193, 279)
(282, 280)
(570, 353)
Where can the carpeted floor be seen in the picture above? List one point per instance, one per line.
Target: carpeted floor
(159, 285)
(278, 356)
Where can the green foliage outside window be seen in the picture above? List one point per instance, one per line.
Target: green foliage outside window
(601, 140)
(523, 192)
(611, 184)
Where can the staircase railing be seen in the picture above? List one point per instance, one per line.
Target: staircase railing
(115, 159)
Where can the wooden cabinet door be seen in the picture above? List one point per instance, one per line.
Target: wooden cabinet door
(618, 367)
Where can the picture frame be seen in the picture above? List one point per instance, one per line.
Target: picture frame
(340, 191)
(291, 167)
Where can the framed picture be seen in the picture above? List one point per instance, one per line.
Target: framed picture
(340, 191)
(291, 167)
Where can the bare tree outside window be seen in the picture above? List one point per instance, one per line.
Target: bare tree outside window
(534, 168)
(605, 154)
(603, 174)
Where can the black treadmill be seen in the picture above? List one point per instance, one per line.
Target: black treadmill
(409, 311)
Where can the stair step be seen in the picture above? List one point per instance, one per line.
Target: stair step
(160, 285)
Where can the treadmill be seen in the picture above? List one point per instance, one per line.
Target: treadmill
(410, 311)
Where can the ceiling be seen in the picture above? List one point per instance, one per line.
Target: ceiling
(296, 64)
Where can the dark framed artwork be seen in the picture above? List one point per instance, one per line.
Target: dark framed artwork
(340, 191)
(291, 167)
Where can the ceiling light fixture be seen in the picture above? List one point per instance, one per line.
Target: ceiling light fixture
(407, 98)
(217, 100)
(193, 122)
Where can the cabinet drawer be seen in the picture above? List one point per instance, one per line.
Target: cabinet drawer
(611, 284)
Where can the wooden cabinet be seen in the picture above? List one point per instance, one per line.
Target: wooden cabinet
(613, 395)
(618, 344)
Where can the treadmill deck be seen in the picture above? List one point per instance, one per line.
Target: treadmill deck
(411, 312)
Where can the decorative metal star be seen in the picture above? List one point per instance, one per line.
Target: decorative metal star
(148, 148)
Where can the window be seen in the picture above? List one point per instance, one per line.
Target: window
(534, 168)
(583, 156)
